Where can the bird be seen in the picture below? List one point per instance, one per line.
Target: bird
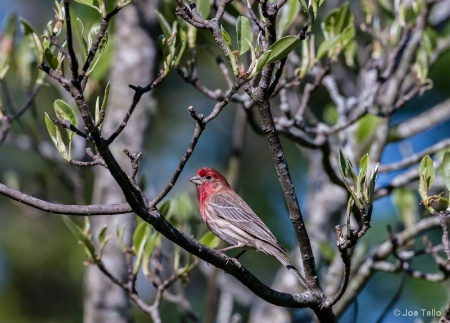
(230, 218)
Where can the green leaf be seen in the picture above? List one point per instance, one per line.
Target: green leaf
(81, 236)
(191, 36)
(10, 26)
(262, 61)
(103, 240)
(244, 34)
(306, 12)
(176, 257)
(40, 49)
(307, 59)
(166, 209)
(336, 44)
(120, 233)
(101, 47)
(64, 111)
(326, 251)
(339, 31)
(406, 203)
(343, 168)
(26, 27)
(184, 207)
(363, 170)
(102, 233)
(203, 8)
(106, 96)
(165, 26)
(80, 29)
(337, 20)
(226, 37)
(181, 46)
(92, 35)
(426, 173)
(366, 128)
(372, 182)
(139, 235)
(89, 3)
(140, 238)
(56, 138)
(231, 57)
(424, 53)
(3, 70)
(350, 203)
(155, 239)
(446, 169)
(97, 110)
(346, 169)
(281, 48)
(210, 239)
(287, 16)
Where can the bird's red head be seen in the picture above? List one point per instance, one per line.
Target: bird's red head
(208, 180)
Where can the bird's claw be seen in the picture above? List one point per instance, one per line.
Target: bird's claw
(236, 262)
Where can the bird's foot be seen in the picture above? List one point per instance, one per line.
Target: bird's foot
(235, 262)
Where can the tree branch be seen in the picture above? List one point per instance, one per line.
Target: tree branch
(79, 210)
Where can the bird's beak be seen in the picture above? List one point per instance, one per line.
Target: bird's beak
(196, 180)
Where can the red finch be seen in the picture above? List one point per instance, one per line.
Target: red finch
(232, 220)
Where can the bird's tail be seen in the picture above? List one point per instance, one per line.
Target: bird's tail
(282, 258)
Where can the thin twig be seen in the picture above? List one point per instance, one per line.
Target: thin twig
(139, 91)
(413, 159)
(73, 62)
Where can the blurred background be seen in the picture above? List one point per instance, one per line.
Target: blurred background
(41, 265)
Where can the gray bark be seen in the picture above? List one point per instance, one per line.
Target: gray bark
(133, 63)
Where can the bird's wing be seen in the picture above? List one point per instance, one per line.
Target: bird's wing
(243, 217)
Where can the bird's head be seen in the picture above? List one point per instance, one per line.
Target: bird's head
(209, 180)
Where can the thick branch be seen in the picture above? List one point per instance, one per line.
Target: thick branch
(425, 120)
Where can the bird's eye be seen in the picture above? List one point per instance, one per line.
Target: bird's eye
(208, 177)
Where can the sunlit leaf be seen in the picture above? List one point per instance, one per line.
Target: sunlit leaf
(372, 182)
(140, 238)
(346, 169)
(203, 8)
(281, 48)
(153, 241)
(426, 173)
(89, 3)
(327, 251)
(363, 170)
(120, 236)
(103, 240)
(228, 45)
(406, 203)
(262, 61)
(55, 136)
(287, 16)
(81, 237)
(244, 34)
(339, 31)
(105, 97)
(165, 26)
(80, 29)
(65, 111)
